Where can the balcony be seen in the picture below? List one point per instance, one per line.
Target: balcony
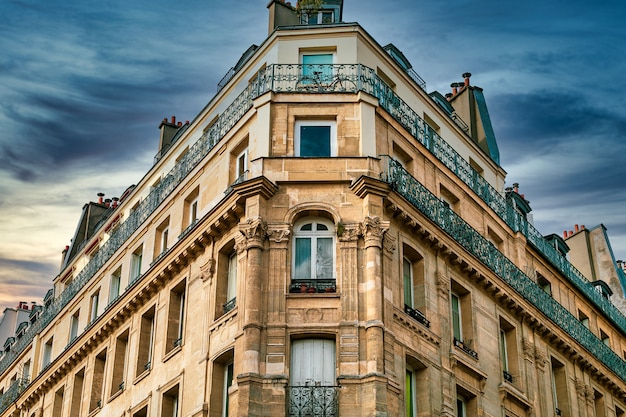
(312, 401)
(12, 393)
(465, 348)
(417, 315)
(312, 286)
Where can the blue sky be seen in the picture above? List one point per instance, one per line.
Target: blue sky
(84, 85)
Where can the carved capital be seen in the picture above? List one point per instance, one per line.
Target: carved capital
(389, 243)
(348, 232)
(278, 233)
(254, 232)
(207, 271)
(372, 230)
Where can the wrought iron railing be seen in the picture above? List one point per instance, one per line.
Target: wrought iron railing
(230, 305)
(299, 78)
(313, 401)
(312, 286)
(417, 315)
(465, 348)
(12, 393)
(508, 377)
(438, 212)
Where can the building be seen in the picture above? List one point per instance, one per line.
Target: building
(325, 238)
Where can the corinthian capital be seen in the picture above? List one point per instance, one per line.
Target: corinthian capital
(373, 230)
(278, 233)
(254, 232)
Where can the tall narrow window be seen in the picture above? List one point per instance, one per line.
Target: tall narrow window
(407, 273)
(114, 287)
(74, 322)
(170, 404)
(242, 166)
(231, 286)
(190, 209)
(146, 339)
(175, 316)
(315, 138)
(228, 381)
(559, 388)
(544, 284)
(314, 253)
(97, 382)
(119, 362)
(57, 404)
(582, 317)
(619, 412)
(461, 407)
(47, 353)
(466, 403)
(410, 394)
(135, 264)
(222, 379)
(77, 393)
(599, 404)
(457, 323)
(461, 318)
(413, 283)
(508, 351)
(161, 243)
(26, 371)
(605, 338)
(93, 306)
(226, 291)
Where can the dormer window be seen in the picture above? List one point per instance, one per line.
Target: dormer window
(317, 17)
(602, 288)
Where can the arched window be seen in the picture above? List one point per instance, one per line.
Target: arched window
(314, 254)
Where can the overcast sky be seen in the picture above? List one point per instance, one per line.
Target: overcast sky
(84, 85)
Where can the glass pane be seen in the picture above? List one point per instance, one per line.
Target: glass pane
(408, 392)
(321, 227)
(408, 283)
(313, 66)
(327, 17)
(314, 141)
(324, 261)
(456, 317)
(303, 259)
(308, 226)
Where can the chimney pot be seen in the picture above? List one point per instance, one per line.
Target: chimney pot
(582, 227)
(564, 234)
(454, 90)
(100, 195)
(576, 229)
(516, 187)
(186, 122)
(173, 120)
(466, 76)
(570, 233)
(180, 124)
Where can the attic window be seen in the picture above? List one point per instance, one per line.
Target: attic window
(313, 17)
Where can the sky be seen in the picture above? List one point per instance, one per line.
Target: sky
(84, 85)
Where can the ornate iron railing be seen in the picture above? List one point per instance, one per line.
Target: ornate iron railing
(229, 305)
(417, 315)
(12, 393)
(298, 78)
(313, 401)
(312, 286)
(465, 348)
(438, 212)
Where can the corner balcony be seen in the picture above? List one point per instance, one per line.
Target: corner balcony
(313, 401)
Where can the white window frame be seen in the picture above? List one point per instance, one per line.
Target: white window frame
(114, 285)
(333, 135)
(193, 211)
(231, 280)
(412, 392)
(240, 171)
(74, 322)
(135, 263)
(94, 300)
(459, 313)
(314, 235)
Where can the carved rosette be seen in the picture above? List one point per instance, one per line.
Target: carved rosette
(207, 271)
(373, 230)
(254, 232)
(279, 233)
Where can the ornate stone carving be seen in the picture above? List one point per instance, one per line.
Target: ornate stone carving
(254, 231)
(580, 387)
(528, 349)
(443, 284)
(207, 270)
(372, 230)
(389, 243)
(589, 394)
(540, 358)
(349, 232)
(278, 233)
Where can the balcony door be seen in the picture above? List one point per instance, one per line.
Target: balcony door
(313, 362)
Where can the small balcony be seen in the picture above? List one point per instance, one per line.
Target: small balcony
(508, 377)
(417, 315)
(312, 401)
(313, 286)
(465, 348)
(230, 305)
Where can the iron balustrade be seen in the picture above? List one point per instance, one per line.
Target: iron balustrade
(465, 348)
(12, 393)
(313, 286)
(470, 239)
(417, 315)
(508, 377)
(313, 401)
(230, 305)
(284, 78)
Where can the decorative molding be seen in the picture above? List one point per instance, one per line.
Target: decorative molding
(254, 231)
(580, 387)
(540, 359)
(207, 271)
(349, 232)
(589, 395)
(279, 233)
(389, 243)
(528, 349)
(443, 283)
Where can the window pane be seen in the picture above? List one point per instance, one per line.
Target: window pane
(314, 141)
(303, 258)
(324, 261)
(408, 392)
(408, 283)
(456, 317)
(315, 66)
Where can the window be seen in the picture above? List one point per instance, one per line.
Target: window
(114, 287)
(119, 362)
(93, 306)
(190, 213)
(317, 66)
(226, 294)
(413, 284)
(170, 403)
(314, 253)
(241, 166)
(599, 404)
(57, 404)
(466, 403)
(410, 394)
(175, 316)
(146, 340)
(584, 320)
(142, 412)
(162, 238)
(317, 17)
(559, 388)
(231, 285)
(77, 393)
(315, 138)
(222, 379)
(508, 351)
(461, 407)
(26, 371)
(47, 353)
(135, 264)
(605, 338)
(312, 362)
(449, 199)
(74, 320)
(544, 284)
(619, 412)
(97, 382)
(461, 313)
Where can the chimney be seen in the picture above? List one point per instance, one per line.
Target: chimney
(100, 195)
(168, 131)
(564, 234)
(570, 233)
(107, 202)
(454, 90)
(466, 78)
(516, 187)
(115, 201)
(576, 229)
